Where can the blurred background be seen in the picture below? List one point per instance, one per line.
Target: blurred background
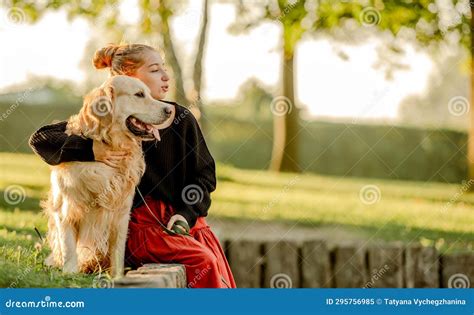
(339, 120)
(345, 81)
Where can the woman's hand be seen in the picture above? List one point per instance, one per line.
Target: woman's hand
(102, 154)
(175, 218)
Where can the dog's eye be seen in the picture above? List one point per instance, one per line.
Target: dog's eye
(140, 94)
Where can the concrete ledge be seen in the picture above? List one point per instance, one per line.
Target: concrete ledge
(154, 276)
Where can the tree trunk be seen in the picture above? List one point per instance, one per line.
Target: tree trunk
(172, 59)
(197, 74)
(470, 147)
(286, 123)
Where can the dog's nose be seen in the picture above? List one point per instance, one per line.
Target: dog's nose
(168, 110)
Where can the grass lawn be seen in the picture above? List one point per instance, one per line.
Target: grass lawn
(430, 213)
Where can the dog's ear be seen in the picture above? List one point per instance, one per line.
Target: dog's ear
(96, 115)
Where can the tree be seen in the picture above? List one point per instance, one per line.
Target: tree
(427, 24)
(198, 60)
(470, 154)
(155, 23)
(156, 16)
(429, 109)
(419, 21)
(156, 19)
(254, 99)
(290, 16)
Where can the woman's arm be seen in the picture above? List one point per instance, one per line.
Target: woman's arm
(196, 194)
(54, 146)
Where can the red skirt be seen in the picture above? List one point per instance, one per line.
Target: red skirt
(202, 255)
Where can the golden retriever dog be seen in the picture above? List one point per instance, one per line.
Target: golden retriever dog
(89, 203)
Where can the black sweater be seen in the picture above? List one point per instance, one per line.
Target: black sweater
(179, 168)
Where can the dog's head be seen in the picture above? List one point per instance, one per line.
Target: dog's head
(122, 104)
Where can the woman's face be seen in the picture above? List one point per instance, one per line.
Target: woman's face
(153, 74)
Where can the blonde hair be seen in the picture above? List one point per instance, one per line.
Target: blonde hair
(121, 59)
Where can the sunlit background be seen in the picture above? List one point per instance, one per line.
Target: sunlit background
(327, 84)
(364, 139)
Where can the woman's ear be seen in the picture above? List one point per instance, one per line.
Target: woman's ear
(96, 115)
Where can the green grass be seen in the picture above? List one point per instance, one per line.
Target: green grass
(429, 213)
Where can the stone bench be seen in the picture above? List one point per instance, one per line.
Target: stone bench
(154, 276)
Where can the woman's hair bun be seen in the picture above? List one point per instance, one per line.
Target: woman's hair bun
(103, 56)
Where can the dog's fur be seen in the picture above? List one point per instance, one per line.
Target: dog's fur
(89, 202)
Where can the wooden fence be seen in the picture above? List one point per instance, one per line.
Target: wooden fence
(313, 264)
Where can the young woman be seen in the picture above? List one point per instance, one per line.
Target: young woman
(176, 186)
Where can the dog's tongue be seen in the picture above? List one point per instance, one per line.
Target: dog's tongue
(156, 133)
(153, 130)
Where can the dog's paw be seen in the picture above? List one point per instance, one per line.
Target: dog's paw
(49, 261)
(116, 274)
(116, 278)
(71, 268)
